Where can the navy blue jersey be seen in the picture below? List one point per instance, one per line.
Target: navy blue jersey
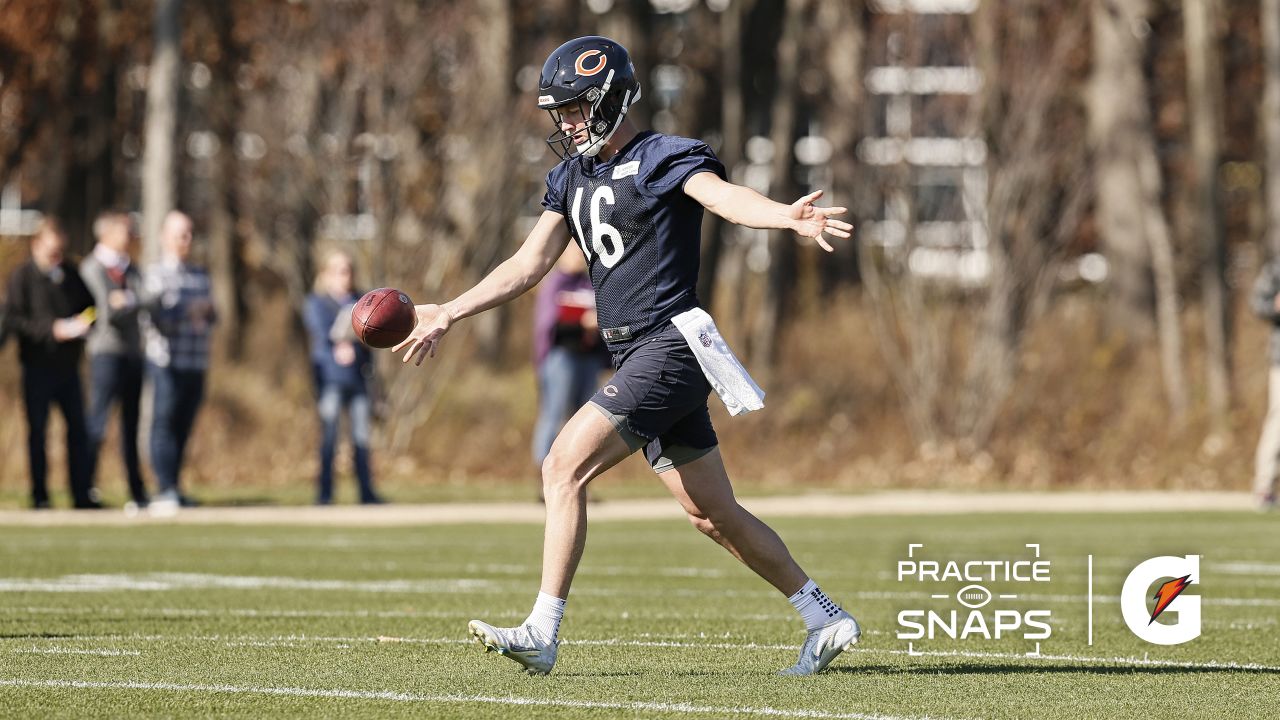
(640, 233)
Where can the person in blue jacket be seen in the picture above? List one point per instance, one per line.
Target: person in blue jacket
(343, 369)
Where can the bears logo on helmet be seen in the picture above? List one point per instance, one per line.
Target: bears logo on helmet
(580, 65)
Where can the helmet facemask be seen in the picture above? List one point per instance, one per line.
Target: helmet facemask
(604, 111)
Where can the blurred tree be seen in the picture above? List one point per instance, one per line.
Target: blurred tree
(1038, 189)
(220, 47)
(1271, 121)
(1131, 220)
(1204, 85)
(63, 116)
(839, 102)
(479, 200)
(159, 173)
(781, 275)
(732, 131)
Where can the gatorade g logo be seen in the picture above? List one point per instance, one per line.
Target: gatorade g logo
(1168, 596)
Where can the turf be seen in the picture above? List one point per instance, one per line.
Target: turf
(370, 622)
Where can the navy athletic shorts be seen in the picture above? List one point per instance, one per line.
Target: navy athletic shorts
(657, 399)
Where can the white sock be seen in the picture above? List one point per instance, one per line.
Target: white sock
(547, 612)
(814, 606)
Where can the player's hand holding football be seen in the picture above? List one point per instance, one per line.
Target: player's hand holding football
(812, 221)
(432, 322)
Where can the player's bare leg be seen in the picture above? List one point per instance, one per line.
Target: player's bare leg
(586, 447)
(703, 489)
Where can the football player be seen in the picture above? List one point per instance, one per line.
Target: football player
(633, 201)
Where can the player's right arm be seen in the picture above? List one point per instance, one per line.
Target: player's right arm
(744, 206)
(514, 277)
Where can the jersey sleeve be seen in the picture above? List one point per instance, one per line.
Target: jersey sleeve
(682, 159)
(553, 200)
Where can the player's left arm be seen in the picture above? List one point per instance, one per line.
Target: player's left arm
(744, 206)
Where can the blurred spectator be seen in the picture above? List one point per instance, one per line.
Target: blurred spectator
(568, 352)
(47, 304)
(181, 315)
(342, 369)
(1266, 304)
(115, 344)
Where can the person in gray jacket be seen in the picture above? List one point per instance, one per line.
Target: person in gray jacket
(115, 344)
(1265, 301)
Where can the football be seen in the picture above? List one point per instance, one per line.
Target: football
(383, 317)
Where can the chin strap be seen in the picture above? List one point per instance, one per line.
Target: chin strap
(593, 147)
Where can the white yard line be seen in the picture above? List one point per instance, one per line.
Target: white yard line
(1247, 568)
(281, 614)
(76, 651)
(155, 582)
(158, 582)
(392, 696)
(710, 643)
(1205, 665)
(1117, 660)
(825, 505)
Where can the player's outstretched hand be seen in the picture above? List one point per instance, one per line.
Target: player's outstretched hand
(432, 322)
(812, 221)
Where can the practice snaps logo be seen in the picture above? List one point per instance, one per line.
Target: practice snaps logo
(1184, 571)
(983, 613)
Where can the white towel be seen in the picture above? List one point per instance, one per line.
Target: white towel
(735, 387)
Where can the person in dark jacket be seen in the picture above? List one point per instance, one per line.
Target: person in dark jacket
(115, 345)
(46, 311)
(342, 368)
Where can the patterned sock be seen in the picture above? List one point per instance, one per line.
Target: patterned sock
(814, 606)
(546, 615)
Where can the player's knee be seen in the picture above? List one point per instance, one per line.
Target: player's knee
(559, 475)
(716, 522)
(703, 524)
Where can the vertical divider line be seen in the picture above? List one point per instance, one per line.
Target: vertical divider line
(1090, 595)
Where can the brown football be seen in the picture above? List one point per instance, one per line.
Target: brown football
(383, 317)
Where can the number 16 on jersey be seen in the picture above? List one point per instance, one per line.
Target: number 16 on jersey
(606, 241)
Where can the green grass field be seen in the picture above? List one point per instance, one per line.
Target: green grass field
(316, 622)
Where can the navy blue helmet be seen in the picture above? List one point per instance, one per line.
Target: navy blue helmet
(595, 73)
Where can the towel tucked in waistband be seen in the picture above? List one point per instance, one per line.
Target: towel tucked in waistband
(726, 374)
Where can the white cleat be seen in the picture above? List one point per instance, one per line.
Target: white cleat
(823, 644)
(522, 644)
